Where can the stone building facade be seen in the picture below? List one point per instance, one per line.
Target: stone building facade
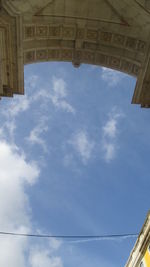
(140, 255)
(110, 33)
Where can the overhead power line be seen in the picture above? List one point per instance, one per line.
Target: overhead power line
(115, 236)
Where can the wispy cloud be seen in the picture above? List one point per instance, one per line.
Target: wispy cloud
(109, 149)
(109, 135)
(15, 213)
(17, 173)
(110, 128)
(59, 94)
(116, 239)
(18, 105)
(35, 136)
(14, 205)
(111, 77)
(13, 109)
(31, 82)
(40, 258)
(83, 145)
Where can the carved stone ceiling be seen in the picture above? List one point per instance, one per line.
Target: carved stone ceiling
(111, 33)
(144, 3)
(96, 10)
(100, 10)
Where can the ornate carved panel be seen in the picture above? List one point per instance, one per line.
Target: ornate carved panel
(9, 63)
(90, 46)
(54, 54)
(101, 59)
(119, 39)
(67, 55)
(106, 37)
(89, 56)
(126, 66)
(68, 32)
(131, 43)
(42, 31)
(29, 32)
(141, 46)
(114, 62)
(29, 56)
(54, 31)
(41, 55)
(92, 35)
(113, 33)
(135, 69)
(80, 33)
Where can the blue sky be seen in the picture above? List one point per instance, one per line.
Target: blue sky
(74, 160)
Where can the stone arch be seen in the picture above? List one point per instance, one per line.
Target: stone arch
(110, 33)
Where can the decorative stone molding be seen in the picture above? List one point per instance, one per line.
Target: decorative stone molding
(98, 36)
(114, 34)
(140, 248)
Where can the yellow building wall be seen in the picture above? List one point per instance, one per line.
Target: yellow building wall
(147, 258)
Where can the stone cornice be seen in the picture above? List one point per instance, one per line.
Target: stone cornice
(140, 245)
(110, 33)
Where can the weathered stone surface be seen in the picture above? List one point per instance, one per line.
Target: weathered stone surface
(109, 33)
(140, 254)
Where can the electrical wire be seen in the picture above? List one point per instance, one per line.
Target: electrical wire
(100, 237)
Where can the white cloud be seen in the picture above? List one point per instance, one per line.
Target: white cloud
(110, 133)
(43, 258)
(12, 252)
(109, 150)
(59, 94)
(110, 128)
(109, 238)
(35, 134)
(31, 82)
(83, 145)
(15, 212)
(18, 104)
(41, 94)
(59, 87)
(15, 174)
(111, 77)
(21, 103)
(54, 244)
(12, 110)
(15, 106)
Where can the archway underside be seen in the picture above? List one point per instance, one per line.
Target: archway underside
(79, 45)
(108, 37)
